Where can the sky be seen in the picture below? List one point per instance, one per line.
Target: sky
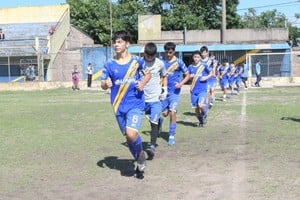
(288, 7)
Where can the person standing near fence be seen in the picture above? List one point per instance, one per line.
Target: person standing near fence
(89, 72)
(245, 75)
(2, 35)
(258, 73)
(75, 77)
(126, 77)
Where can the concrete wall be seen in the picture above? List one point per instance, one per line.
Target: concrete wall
(34, 14)
(70, 55)
(232, 36)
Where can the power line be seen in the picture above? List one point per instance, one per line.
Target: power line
(278, 4)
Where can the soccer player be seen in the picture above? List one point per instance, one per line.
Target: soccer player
(239, 73)
(223, 77)
(123, 75)
(153, 93)
(232, 78)
(200, 72)
(175, 68)
(212, 81)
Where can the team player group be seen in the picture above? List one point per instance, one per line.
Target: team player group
(151, 86)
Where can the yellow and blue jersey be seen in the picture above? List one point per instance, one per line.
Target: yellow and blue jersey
(124, 95)
(196, 73)
(175, 68)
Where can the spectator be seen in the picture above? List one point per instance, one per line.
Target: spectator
(2, 35)
(89, 72)
(75, 78)
(51, 30)
(30, 73)
(258, 73)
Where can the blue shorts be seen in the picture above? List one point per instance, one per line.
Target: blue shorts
(212, 83)
(239, 81)
(231, 82)
(131, 119)
(171, 102)
(198, 99)
(224, 84)
(153, 111)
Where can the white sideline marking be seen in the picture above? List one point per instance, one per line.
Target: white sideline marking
(239, 168)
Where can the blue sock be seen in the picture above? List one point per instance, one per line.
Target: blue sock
(132, 150)
(138, 145)
(204, 112)
(172, 129)
(200, 118)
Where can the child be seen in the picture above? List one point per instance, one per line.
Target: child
(200, 72)
(75, 78)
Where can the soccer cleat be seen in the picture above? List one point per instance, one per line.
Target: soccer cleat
(171, 140)
(138, 174)
(150, 152)
(210, 105)
(141, 162)
(224, 99)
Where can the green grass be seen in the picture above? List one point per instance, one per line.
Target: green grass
(61, 136)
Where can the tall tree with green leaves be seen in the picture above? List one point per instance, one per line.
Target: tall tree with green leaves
(92, 17)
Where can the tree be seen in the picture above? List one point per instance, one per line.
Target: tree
(88, 16)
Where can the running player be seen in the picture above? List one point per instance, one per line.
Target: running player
(238, 82)
(122, 74)
(200, 72)
(175, 67)
(212, 81)
(223, 77)
(153, 93)
(232, 78)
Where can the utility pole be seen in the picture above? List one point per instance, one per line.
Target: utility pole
(111, 31)
(223, 31)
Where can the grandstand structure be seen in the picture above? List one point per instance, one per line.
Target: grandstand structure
(28, 42)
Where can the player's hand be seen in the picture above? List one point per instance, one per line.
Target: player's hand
(177, 85)
(139, 86)
(108, 83)
(164, 93)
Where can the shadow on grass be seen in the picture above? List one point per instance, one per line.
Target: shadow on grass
(193, 124)
(125, 166)
(189, 113)
(291, 119)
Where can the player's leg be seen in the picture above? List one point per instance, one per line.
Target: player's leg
(203, 107)
(154, 117)
(174, 99)
(133, 123)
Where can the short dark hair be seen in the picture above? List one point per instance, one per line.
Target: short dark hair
(170, 46)
(224, 61)
(124, 35)
(150, 49)
(203, 48)
(195, 53)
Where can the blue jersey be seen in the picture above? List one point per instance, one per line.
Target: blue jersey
(196, 73)
(224, 71)
(174, 68)
(124, 95)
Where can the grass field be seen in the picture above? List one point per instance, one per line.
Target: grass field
(61, 144)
